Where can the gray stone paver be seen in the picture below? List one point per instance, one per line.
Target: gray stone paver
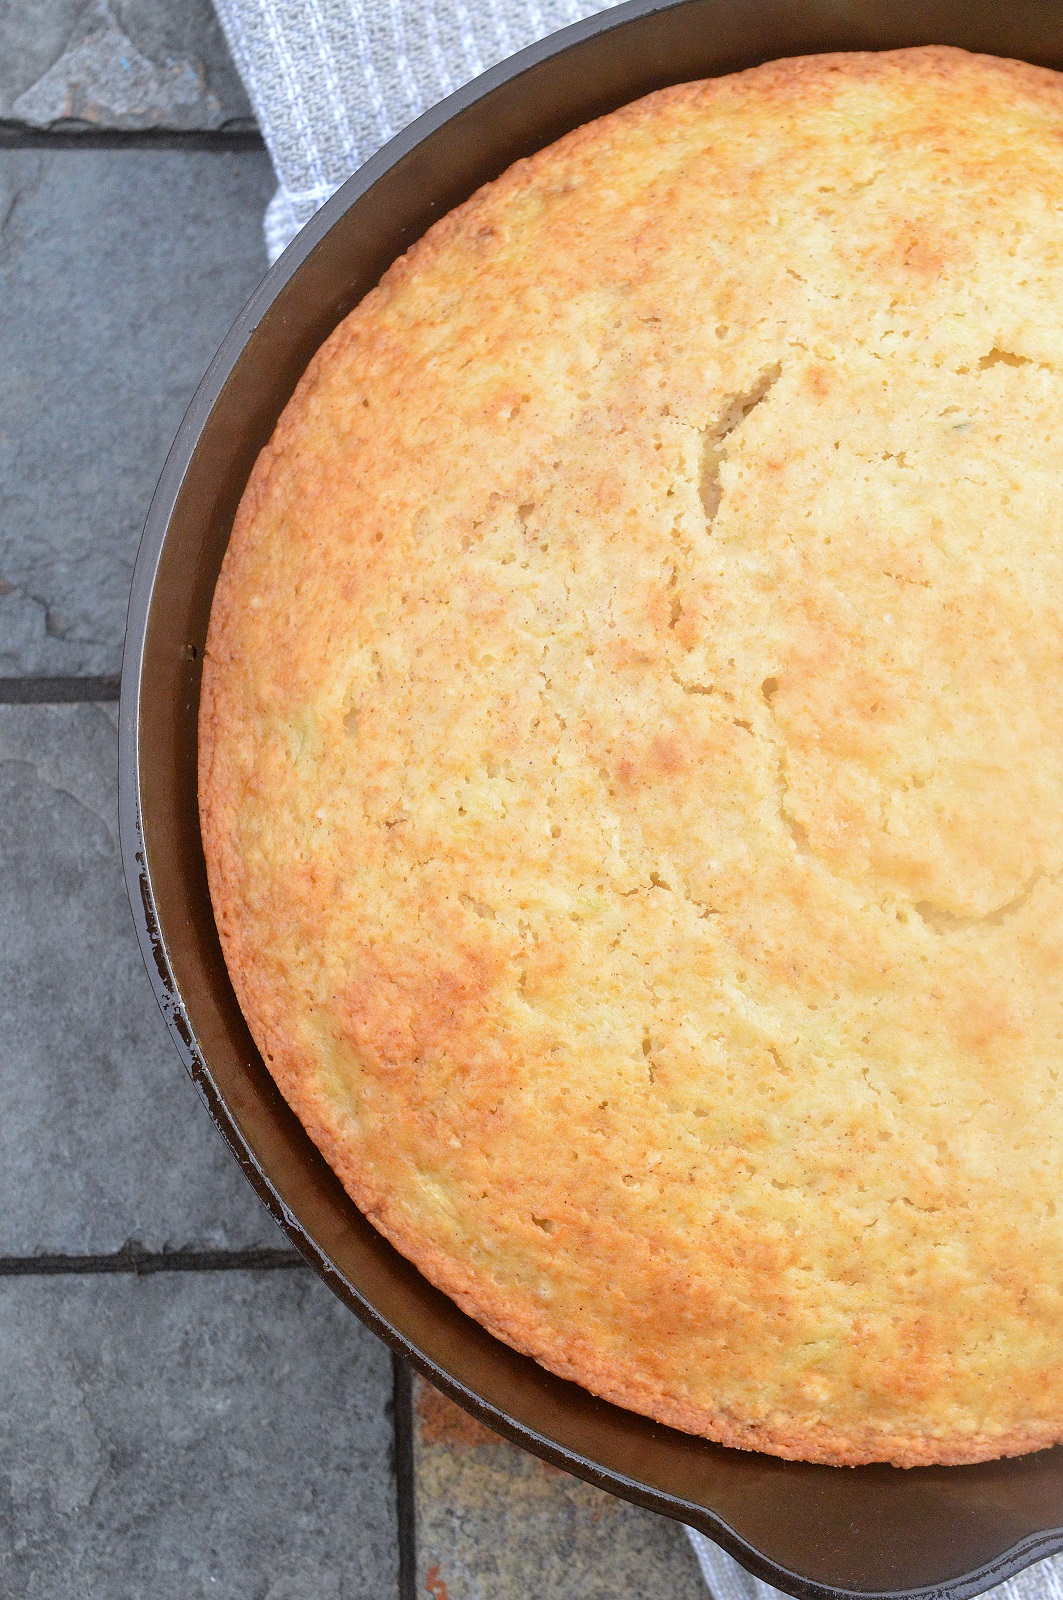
(103, 1139)
(120, 273)
(129, 64)
(494, 1523)
(182, 1434)
(221, 1434)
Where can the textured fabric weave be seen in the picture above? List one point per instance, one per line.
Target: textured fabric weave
(333, 80)
(726, 1580)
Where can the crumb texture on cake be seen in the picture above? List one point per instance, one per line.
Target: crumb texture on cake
(632, 756)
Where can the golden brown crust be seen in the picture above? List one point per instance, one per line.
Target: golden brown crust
(630, 768)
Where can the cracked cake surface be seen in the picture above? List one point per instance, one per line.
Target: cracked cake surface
(631, 764)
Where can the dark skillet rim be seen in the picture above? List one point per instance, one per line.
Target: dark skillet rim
(1025, 1552)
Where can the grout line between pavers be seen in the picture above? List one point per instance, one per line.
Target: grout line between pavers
(133, 1259)
(57, 691)
(20, 136)
(402, 1415)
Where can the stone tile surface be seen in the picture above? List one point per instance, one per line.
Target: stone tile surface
(120, 273)
(189, 1435)
(103, 1139)
(129, 64)
(494, 1523)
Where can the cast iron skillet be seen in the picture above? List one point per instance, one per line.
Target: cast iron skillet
(813, 1531)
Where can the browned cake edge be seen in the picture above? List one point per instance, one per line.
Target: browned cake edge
(570, 1357)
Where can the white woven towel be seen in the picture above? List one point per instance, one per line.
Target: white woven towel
(333, 80)
(726, 1580)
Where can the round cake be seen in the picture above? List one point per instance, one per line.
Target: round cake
(632, 757)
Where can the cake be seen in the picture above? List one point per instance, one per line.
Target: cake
(631, 757)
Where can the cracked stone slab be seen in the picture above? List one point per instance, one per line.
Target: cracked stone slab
(120, 273)
(495, 1521)
(103, 1139)
(124, 64)
(190, 1435)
